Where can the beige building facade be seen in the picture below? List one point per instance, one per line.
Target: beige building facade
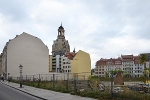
(50, 63)
(27, 50)
(81, 65)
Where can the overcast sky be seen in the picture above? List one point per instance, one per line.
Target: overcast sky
(102, 28)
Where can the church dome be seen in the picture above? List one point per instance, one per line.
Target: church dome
(60, 45)
(61, 27)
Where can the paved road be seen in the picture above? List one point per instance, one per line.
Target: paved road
(8, 93)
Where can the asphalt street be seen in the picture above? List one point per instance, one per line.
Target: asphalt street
(8, 93)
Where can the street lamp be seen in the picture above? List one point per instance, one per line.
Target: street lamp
(20, 67)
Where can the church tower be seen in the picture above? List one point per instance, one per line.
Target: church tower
(59, 48)
(60, 45)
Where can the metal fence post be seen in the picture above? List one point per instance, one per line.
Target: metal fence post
(67, 81)
(112, 84)
(53, 81)
(26, 77)
(39, 80)
(33, 80)
(75, 84)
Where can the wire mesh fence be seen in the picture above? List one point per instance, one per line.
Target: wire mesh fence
(78, 82)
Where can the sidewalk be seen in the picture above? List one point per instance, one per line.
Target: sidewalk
(45, 94)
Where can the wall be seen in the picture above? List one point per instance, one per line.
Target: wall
(4, 62)
(81, 64)
(30, 52)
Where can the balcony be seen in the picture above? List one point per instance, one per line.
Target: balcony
(53, 67)
(54, 64)
(53, 61)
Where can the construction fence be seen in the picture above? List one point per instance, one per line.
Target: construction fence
(78, 82)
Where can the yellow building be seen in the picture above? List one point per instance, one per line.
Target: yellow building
(50, 63)
(81, 65)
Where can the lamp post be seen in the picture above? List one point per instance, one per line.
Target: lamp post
(20, 67)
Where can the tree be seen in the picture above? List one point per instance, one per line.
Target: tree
(106, 75)
(143, 59)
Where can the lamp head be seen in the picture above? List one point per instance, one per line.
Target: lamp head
(20, 66)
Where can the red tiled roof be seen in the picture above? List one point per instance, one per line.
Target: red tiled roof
(136, 59)
(119, 60)
(112, 61)
(126, 58)
(70, 55)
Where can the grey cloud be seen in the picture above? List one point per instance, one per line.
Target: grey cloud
(99, 27)
(16, 9)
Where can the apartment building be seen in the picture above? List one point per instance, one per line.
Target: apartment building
(66, 61)
(104, 66)
(56, 63)
(100, 69)
(129, 64)
(137, 67)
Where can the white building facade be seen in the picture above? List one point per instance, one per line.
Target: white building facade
(27, 50)
(129, 64)
(66, 65)
(61, 64)
(56, 63)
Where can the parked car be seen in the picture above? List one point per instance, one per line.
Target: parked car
(117, 90)
(147, 85)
